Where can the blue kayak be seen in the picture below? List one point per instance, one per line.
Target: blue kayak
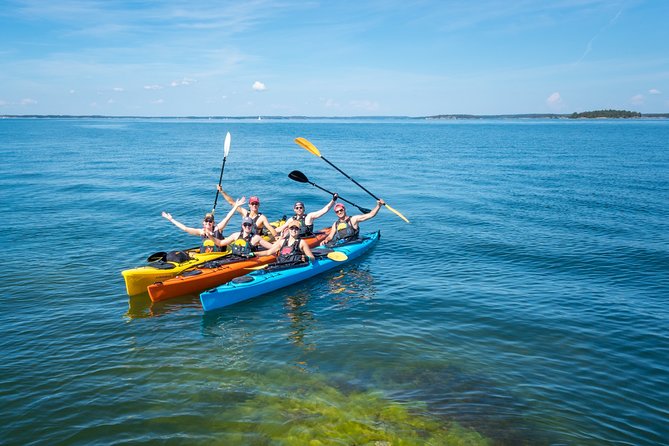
(270, 279)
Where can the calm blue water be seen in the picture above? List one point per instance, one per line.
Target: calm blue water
(527, 303)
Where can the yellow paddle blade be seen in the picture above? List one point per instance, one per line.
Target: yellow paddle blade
(337, 256)
(398, 213)
(256, 268)
(303, 142)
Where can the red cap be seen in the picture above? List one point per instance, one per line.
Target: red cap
(339, 206)
(254, 199)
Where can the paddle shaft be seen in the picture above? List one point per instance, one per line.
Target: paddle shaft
(220, 179)
(363, 210)
(346, 175)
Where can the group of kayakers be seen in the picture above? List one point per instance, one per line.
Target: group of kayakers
(286, 240)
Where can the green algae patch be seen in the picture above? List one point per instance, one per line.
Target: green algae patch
(314, 413)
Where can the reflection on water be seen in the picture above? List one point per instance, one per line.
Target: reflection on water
(351, 284)
(301, 318)
(141, 306)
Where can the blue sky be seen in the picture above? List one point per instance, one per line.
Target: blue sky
(332, 58)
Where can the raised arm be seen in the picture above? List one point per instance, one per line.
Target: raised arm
(231, 200)
(183, 227)
(311, 216)
(231, 212)
(371, 214)
(333, 231)
(273, 248)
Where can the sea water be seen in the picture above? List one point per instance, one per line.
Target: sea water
(526, 303)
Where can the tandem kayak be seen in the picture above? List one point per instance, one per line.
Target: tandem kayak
(211, 274)
(266, 280)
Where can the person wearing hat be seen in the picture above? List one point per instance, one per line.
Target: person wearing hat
(347, 228)
(260, 223)
(291, 248)
(208, 226)
(306, 220)
(244, 242)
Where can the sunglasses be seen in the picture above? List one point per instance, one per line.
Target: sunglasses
(247, 224)
(293, 228)
(209, 221)
(299, 207)
(339, 211)
(255, 203)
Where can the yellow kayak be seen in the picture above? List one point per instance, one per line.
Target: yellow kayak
(137, 279)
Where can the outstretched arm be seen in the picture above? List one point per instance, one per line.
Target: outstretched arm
(371, 214)
(183, 227)
(231, 212)
(231, 200)
(264, 243)
(272, 249)
(311, 216)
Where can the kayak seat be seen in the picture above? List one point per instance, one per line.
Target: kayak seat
(160, 264)
(242, 279)
(193, 272)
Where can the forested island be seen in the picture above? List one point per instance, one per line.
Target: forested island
(595, 114)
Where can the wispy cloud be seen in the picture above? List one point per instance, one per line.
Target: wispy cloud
(588, 46)
(259, 86)
(654, 91)
(554, 101)
(637, 99)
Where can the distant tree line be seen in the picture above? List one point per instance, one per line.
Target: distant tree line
(606, 114)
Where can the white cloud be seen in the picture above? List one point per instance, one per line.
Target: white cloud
(365, 105)
(259, 86)
(654, 91)
(118, 89)
(153, 87)
(637, 99)
(554, 99)
(184, 81)
(28, 101)
(158, 101)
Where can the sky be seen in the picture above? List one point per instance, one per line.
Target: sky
(332, 58)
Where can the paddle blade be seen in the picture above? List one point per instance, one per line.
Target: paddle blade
(337, 256)
(298, 176)
(226, 145)
(308, 146)
(256, 268)
(397, 213)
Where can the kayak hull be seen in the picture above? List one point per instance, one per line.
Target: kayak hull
(138, 279)
(262, 281)
(201, 278)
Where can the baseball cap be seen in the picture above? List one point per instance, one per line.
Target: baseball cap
(254, 199)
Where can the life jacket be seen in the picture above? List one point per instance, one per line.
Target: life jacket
(255, 229)
(208, 245)
(290, 253)
(305, 229)
(344, 230)
(242, 246)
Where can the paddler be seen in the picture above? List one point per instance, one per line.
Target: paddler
(291, 248)
(261, 225)
(208, 227)
(306, 220)
(346, 228)
(244, 242)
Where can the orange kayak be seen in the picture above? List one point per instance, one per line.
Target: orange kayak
(214, 273)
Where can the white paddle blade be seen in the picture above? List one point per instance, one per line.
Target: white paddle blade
(226, 145)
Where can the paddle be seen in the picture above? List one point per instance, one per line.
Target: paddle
(298, 176)
(226, 150)
(312, 149)
(333, 255)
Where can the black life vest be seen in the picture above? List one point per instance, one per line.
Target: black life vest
(305, 230)
(344, 230)
(208, 245)
(242, 246)
(290, 253)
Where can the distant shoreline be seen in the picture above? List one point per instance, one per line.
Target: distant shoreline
(276, 118)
